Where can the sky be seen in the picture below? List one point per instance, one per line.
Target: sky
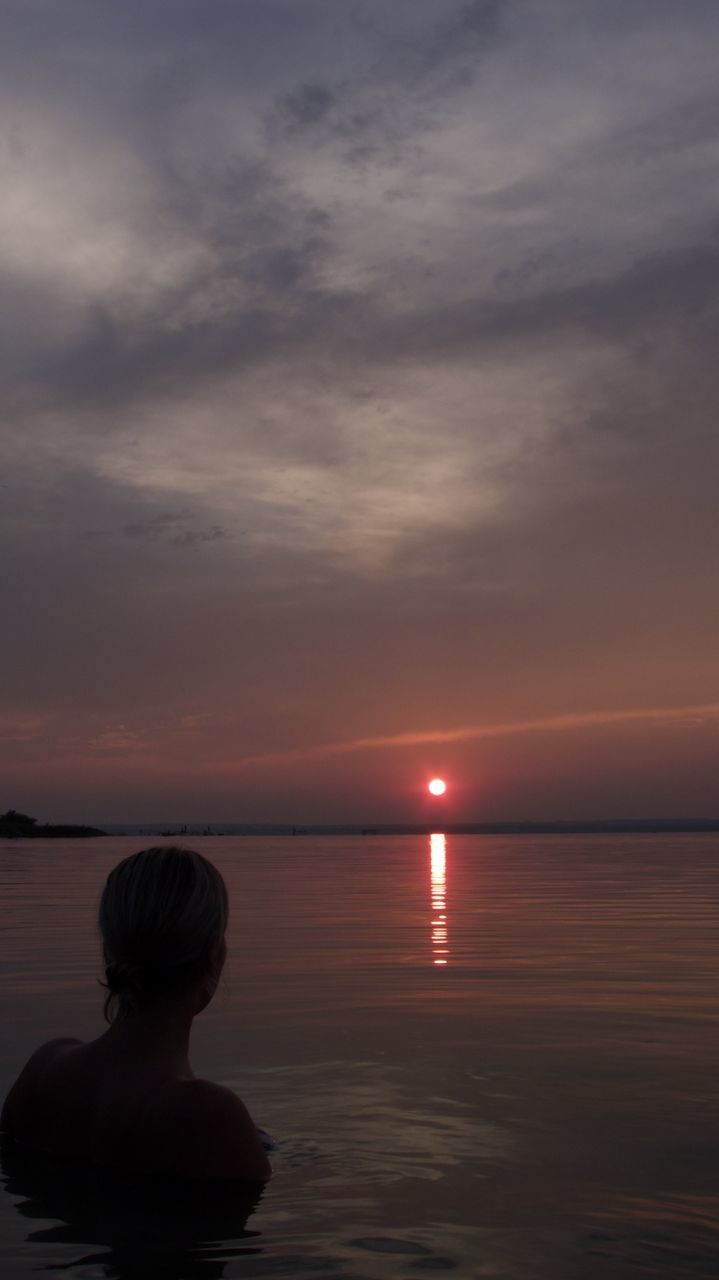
(360, 409)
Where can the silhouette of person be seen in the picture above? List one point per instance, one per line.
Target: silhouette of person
(129, 1100)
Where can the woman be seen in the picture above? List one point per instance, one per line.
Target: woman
(129, 1100)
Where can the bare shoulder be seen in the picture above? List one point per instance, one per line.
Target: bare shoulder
(48, 1051)
(218, 1137)
(20, 1096)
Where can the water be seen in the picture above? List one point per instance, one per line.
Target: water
(487, 1056)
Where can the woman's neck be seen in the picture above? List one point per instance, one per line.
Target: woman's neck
(158, 1033)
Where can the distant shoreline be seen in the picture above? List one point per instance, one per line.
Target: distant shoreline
(618, 826)
(50, 831)
(20, 826)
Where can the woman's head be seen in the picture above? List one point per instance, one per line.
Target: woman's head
(163, 915)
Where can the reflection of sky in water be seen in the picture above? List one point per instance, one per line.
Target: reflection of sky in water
(438, 884)
(375, 1122)
(378, 1164)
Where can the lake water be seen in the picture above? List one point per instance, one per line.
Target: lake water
(486, 1056)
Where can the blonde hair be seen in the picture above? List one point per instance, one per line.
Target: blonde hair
(163, 915)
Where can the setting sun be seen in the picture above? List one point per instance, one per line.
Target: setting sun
(437, 787)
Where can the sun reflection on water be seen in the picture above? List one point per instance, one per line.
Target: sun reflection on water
(438, 885)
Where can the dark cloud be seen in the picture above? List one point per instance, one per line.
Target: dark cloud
(468, 30)
(307, 104)
(175, 527)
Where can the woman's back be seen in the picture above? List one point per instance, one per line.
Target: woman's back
(85, 1103)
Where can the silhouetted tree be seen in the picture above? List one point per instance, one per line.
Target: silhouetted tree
(17, 819)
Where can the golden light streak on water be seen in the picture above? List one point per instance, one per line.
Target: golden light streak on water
(438, 886)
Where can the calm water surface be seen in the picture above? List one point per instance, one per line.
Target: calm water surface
(480, 1055)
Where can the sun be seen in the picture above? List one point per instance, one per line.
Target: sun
(437, 787)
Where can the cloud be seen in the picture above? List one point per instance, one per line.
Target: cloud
(691, 715)
(173, 526)
(18, 728)
(307, 104)
(119, 739)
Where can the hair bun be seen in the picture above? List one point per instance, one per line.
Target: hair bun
(124, 975)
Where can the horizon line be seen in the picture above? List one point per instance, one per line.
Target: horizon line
(314, 828)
